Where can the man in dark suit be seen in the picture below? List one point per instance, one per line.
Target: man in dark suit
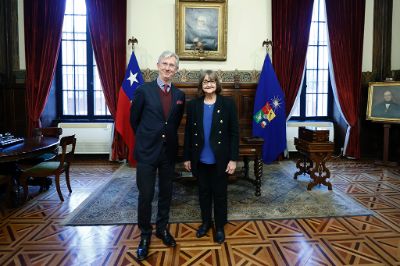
(156, 113)
(388, 108)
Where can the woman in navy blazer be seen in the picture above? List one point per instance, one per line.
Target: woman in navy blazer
(211, 150)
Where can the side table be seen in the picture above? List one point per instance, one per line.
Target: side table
(315, 155)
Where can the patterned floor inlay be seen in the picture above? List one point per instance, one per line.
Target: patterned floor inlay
(33, 235)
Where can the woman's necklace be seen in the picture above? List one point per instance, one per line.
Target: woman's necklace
(210, 100)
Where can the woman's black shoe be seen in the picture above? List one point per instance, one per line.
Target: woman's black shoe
(202, 231)
(166, 238)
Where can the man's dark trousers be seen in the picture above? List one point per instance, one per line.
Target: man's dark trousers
(146, 178)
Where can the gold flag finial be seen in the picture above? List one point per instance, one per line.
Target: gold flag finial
(268, 45)
(132, 41)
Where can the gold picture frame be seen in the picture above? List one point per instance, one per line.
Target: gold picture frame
(201, 29)
(384, 102)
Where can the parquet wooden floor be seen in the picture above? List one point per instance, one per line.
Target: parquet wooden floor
(32, 234)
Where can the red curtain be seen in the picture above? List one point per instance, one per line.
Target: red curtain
(346, 30)
(291, 20)
(43, 26)
(107, 25)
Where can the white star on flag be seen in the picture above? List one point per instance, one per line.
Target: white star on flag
(132, 77)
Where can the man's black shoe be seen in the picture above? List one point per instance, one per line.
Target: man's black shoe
(166, 238)
(220, 235)
(202, 230)
(143, 248)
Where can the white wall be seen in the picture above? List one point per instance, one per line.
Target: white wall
(368, 36)
(396, 35)
(249, 24)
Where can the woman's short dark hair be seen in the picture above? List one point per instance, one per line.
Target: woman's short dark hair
(212, 75)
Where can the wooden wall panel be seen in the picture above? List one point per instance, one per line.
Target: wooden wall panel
(381, 60)
(12, 94)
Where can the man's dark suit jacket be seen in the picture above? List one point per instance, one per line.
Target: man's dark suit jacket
(224, 137)
(380, 110)
(151, 127)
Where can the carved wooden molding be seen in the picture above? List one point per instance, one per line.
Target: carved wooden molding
(184, 75)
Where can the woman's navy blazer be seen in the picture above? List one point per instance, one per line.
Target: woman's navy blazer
(224, 137)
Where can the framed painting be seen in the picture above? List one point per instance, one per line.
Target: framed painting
(201, 29)
(384, 102)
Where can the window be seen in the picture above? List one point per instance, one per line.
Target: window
(79, 89)
(316, 95)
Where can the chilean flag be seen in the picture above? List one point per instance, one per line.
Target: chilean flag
(133, 78)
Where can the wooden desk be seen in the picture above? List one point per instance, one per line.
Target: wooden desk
(10, 155)
(31, 147)
(315, 155)
(251, 149)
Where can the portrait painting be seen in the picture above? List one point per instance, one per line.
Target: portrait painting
(384, 102)
(201, 29)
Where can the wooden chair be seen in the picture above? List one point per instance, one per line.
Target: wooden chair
(49, 168)
(48, 132)
(44, 183)
(54, 132)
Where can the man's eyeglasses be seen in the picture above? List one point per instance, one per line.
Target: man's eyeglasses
(165, 65)
(205, 82)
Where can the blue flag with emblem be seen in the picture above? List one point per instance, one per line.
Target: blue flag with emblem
(269, 117)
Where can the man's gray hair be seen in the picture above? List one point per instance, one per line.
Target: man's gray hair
(167, 54)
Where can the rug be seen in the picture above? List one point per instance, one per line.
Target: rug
(282, 198)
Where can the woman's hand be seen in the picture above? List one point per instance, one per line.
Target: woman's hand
(230, 169)
(188, 166)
